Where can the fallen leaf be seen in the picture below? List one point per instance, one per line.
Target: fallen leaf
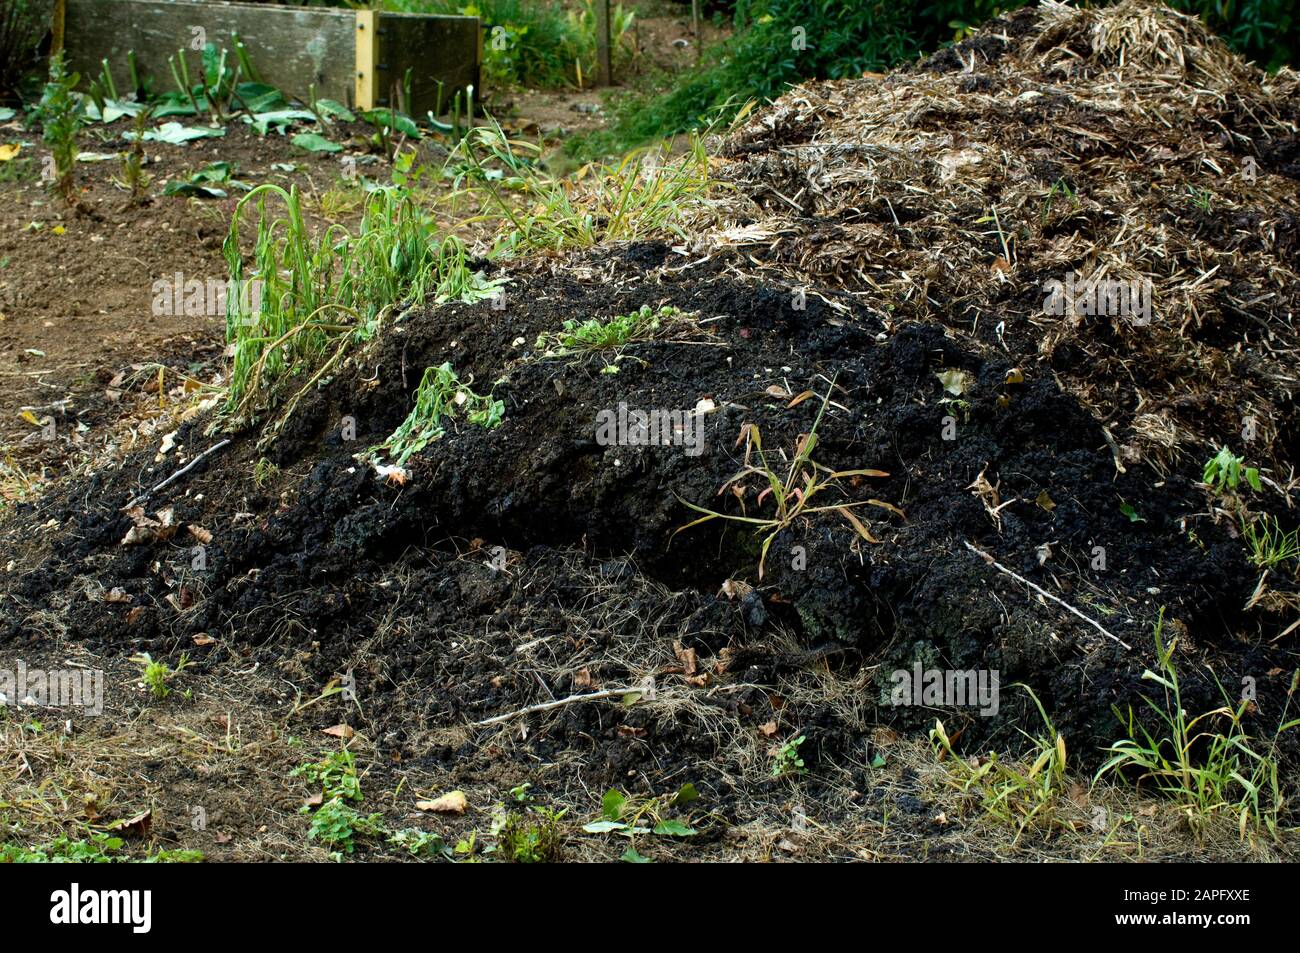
(687, 657)
(768, 729)
(453, 802)
(204, 639)
(735, 589)
(955, 382)
(339, 731)
(136, 826)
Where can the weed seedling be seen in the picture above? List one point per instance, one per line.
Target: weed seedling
(787, 762)
(792, 494)
(1224, 472)
(60, 114)
(337, 825)
(336, 774)
(1270, 546)
(596, 335)
(535, 836)
(1207, 764)
(1022, 795)
(634, 817)
(157, 674)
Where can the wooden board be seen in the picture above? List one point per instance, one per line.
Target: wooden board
(435, 49)
(290, 47)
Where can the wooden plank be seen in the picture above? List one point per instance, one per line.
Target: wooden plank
(291, 47)
(604, 56)
(437, 50)
(367, 59)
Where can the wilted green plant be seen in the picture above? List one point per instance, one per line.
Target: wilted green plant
(440, 397)
(1207, 764)
(793, 493)
(60, 114)
(312, 291)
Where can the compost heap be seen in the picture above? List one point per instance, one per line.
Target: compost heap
(885, 244)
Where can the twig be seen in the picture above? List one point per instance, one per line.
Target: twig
(1043, 592)
(183, 470)
(547, 706)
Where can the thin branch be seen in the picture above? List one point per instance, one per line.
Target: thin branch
(181, 472)
(1043, 592)
(547, 706)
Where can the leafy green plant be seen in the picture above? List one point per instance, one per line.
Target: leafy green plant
(776, 43)
(60, 114)
(533, 836)
(418, 843)
(793, 493)
(96, 848)
(337, 825)
(157, 674)
(1022, 794)
(1225, 471)
(207, 183)
(441, 396)
(1209, 763)
(388, 125)
(787, 762)
(634, 817)
(336, 774)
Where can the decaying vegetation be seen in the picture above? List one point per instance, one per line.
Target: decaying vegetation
(994, 360)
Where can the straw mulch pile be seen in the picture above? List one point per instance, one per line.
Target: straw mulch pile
(1116, 143)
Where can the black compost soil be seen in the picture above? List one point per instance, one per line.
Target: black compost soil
(328, 571)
